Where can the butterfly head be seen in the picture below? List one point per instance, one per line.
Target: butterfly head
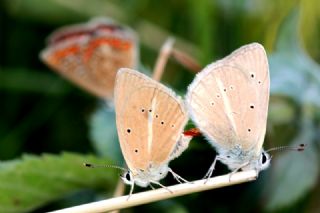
(264, 161)
(127, 177)
(143, 177)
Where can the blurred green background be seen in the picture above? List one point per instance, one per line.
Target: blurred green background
(49, 127)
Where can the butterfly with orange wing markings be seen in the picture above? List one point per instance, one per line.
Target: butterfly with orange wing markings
(150, 120)
(90, 54)
(228, 101)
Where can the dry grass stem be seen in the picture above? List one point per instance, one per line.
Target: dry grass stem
(162, 194)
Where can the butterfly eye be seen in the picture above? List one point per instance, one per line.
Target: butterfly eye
(128, 176)
(263, 158)
(251, 106)
(128, 130)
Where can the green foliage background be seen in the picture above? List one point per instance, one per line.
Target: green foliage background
(49, 127)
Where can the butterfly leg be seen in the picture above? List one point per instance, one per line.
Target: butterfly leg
(257, 172)
(151, 186)
(155, 182)
(237, 169)
(211, 169)
(178, 177)
(131, 191)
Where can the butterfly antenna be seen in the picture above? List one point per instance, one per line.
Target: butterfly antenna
(298, 148)
(89, 165)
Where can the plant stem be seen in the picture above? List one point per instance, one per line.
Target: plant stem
(162, 59)
(118, 192)
(161, 194)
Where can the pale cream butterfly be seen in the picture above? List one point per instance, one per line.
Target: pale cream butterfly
(150, 121)
(228, 101)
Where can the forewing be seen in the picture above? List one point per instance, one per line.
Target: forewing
(105, 55)
(91, 54)
(228, 100)
(66, 58)
(150, 119)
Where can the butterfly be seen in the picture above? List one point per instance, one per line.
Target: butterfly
(90, 54)
(228, 101)
(150, 120)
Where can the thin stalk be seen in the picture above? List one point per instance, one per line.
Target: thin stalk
(162, 194)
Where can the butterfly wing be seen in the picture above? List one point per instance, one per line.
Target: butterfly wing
(91, 54)
(229, 99)
(105, 55)
(66, 59)
(150, 119)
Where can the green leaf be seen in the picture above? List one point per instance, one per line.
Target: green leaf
(103, 133)
(171, 206)
(202, 12)
(296, 75)
(25, 80)
(33, 181)
(280, 111)
(309, 30)
(293, 72)
(294, 174)
(42, 11)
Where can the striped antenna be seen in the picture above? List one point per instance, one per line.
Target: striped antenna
(89, 165)
(299, 148)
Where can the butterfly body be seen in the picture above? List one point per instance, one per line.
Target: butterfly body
(236, 158)
(154, 173)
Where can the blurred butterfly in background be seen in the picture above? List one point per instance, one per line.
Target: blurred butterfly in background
(90, 54)
(150, 121)
(228, 101)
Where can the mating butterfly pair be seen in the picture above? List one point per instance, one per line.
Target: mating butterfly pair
(228, 101)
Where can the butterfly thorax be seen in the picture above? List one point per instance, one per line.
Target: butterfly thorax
(236, 158)
(154, 173)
